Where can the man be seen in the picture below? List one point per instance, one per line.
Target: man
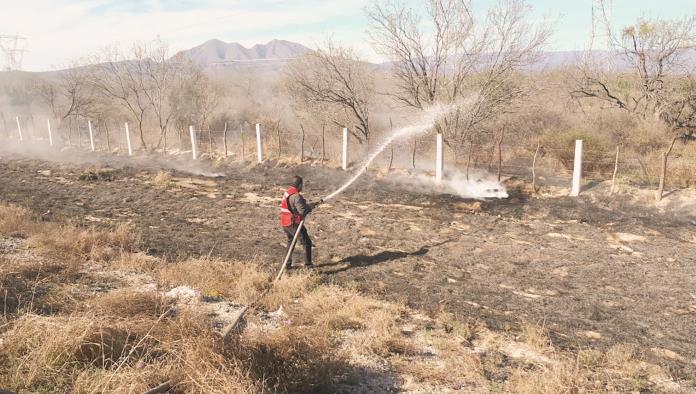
(293, 209)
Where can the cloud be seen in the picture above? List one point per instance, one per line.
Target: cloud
(60, 31)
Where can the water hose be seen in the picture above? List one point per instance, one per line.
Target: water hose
(230, 328)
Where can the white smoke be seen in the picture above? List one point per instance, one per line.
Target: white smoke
(479, 186)
(426, 122)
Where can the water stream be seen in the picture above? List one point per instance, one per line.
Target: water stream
(422, 127)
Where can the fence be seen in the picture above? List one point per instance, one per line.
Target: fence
(543, 166)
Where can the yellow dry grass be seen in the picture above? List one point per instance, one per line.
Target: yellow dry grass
(15, 221)
(77, 245)
(240, 282)
(162, 180)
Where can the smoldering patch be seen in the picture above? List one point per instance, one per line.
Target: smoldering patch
(480, 186)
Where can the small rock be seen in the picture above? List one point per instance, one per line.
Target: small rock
(278, 313)
(408, 330)
(183, 293)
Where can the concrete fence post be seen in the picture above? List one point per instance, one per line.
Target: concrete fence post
(19, 129)
(91, 135)
(194, 143)
(577, 169)
(259, 144)
(344, 163)
(128, 141)
(50, 133)
(439, 158)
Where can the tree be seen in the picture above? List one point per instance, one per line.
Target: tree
(195, 100)
(69, 94)
(121, 81)
(658, 83)
(163, 77)
(336, 77)
(446, 59)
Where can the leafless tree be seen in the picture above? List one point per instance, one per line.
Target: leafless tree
(163, 77)
(447, 59)
(658, 83)
(120, 79)
(68, 94)
(195, 100)
(336, 77)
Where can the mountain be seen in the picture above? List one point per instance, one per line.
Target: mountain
(214, 53)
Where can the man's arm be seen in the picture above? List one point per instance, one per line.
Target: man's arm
(300, 205)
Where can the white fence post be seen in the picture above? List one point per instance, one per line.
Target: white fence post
(259, 144)
(91, 135)
(128, 141)
(439, 158)
(50, 133)
(19, 129)
(577, 169)
(194, 143)
(344, 163)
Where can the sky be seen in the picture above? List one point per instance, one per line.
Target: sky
(59, 32)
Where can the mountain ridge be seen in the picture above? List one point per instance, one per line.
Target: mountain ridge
(217, 52)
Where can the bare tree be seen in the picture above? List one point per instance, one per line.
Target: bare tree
(446, 59)
(658, 84)
(195, 100)
(163, 76)
(336, 77)
(121, 81)
(69, 94)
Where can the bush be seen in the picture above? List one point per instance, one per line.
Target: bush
(597, 150)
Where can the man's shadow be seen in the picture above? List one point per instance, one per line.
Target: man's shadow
(362, 260)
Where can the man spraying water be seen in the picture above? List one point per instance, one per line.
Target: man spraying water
(294, 208)
(293, 211)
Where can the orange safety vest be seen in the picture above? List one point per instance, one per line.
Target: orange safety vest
(287, 218)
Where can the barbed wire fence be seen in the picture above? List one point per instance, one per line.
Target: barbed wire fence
(534, 162)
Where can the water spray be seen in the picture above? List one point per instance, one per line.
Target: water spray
(424, 126)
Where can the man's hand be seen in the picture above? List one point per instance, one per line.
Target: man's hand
(316, 203)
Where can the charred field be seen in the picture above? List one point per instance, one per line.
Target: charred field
(593, 272)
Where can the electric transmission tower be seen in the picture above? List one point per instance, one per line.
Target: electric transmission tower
(13, 51)
(601, 20)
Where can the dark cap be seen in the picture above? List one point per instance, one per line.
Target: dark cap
(297, 182)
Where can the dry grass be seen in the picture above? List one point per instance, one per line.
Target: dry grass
(74, 245)
(98, 174)
(15, 221)
(293, 358)
(162, 180)
(137, 262)
(129, 304)
(128, 340)
(240, 282)
(536, 338)
(88, 353)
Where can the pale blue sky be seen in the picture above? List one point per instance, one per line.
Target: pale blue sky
(59, 31)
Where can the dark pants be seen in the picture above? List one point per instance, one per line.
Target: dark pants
(304, 238)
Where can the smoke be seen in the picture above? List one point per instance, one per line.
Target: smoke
(427, 121)
(479, 186)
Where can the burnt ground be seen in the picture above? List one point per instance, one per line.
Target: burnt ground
(593, 273)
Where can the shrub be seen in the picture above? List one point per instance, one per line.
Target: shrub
(597, 150)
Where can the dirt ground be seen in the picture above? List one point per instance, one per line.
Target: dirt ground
(592, 271)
